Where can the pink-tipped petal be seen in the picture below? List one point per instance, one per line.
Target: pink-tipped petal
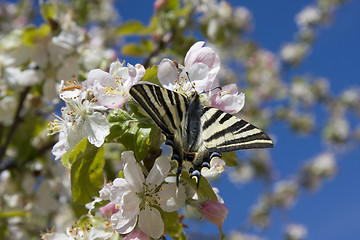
(214, 212)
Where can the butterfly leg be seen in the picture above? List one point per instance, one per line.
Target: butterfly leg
(179, 169)
(197, 175)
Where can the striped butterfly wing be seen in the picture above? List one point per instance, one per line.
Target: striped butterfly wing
(166, 108)
(223, 132)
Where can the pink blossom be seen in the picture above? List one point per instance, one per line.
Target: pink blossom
(137, 234)
(108, 210)
(228, 99)
(214, 212)
(199, 54)
(112, 89)
(159, 4)
(201, 67)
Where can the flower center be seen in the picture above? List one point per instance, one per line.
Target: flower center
(150, 195)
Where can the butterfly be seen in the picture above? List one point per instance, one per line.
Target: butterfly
(196, 133)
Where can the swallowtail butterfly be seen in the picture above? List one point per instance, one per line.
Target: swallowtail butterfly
(196, 133)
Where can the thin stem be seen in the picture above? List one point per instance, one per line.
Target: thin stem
(16, 122)
(156, 51)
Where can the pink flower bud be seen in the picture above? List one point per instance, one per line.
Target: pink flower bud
(108, 210)
(214, 212)
(137, 234)
(159, 4)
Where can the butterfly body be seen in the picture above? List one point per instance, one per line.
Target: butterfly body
(197, 133)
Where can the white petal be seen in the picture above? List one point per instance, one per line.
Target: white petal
(97, 128)
(216, 167)
(123, 225)
(167, 72)
(132, 172)
(189, 57)
(100, 75)
(151, 223)
(59, 148)
(130, 204)
(170, 200)
(159, 171)
(117, 190)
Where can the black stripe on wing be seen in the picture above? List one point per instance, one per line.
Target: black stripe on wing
(223, 132)
(166, 108)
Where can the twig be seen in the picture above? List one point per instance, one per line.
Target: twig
(16, 122)
(156, 51)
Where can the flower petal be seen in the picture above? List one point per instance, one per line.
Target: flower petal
(130, 204)
(100, 75)
(151, 223)
(132, 172)
(108, 210)
(190, 53)
(118, 189)
(121, 224)
(170, 200)
(137, 234)
(159, 171)
(167, 72)
(206, 55)
(214, 212)
(228, 99)
(96, 127)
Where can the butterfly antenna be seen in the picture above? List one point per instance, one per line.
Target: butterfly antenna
(191, 83)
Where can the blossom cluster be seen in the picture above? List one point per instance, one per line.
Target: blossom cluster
(139, 198)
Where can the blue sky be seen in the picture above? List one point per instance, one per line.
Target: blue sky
(333, 212)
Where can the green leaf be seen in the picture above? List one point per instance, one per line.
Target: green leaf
(65, 159)
(172, 4)
(131, 27)
(205, 191)
(119, 115)
(31, 34)
(173, 226)
(48, 10)
(151, 75)
(143, 141)
(230, 159)
(132, 49)
(86, 171)
(181, 12)
(133, 134)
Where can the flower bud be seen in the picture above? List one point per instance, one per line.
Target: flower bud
(108, 210)
(214, 212)
(137, 234)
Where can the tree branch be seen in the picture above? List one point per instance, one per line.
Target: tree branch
(16, 122)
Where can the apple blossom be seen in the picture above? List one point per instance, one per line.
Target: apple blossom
(215, 212)
(227, 99)
(201, 65)
(216, 167)
(137, 196)
(310, 15)
(295, 232)
(112, 89)
(80, 118)
(137, 234)
(108, 210)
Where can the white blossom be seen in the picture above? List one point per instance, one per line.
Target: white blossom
(81, 118)
(295, 232)
(293, 53)
(310, 15)
(112, 89)
(136, 196)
